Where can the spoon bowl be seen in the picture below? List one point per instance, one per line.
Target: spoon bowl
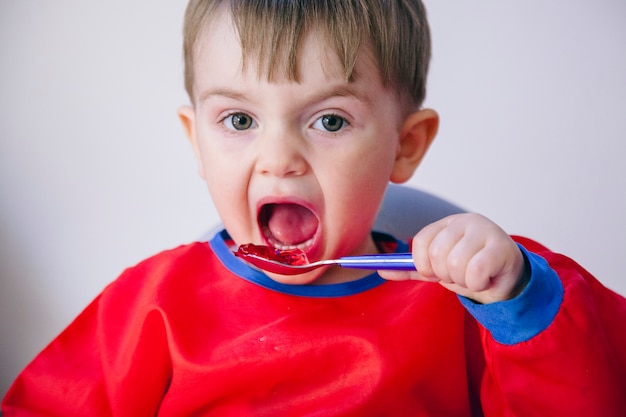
(294, 261)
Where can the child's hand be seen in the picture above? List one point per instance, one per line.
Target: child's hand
(470, 255)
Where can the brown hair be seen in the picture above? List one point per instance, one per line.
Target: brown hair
(270, 31)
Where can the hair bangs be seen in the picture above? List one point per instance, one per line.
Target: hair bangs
(272, 31)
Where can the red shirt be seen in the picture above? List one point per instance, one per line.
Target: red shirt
(195, 331)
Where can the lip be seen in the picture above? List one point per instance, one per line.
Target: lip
(313, 247)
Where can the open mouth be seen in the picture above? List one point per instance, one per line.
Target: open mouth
(288, 225)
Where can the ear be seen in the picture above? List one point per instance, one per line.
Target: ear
(187, 116)
(416, 135)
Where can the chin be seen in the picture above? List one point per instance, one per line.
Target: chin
(309, 278)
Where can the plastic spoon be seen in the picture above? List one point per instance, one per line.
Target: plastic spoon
(294, 261)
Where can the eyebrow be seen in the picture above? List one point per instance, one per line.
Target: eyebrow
(342, 91)
(325, 94)
(223, 92)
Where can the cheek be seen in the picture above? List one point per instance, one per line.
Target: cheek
(226, 183)
(359, 191)
(364, 186)
(221, 165)
(231, 205)
(375, 163)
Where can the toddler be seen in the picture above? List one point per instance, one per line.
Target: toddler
(301, 114)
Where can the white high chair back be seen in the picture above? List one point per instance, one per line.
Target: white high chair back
(403, 213)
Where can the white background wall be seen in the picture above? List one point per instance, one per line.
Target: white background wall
(95, 172)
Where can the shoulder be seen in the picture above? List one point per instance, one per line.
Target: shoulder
(174, 258)
(179, 267)
(178, 260)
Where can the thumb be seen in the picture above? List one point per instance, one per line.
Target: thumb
(398, 275)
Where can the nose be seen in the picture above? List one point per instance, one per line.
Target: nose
(280, 154)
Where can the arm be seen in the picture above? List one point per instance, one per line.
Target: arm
(89, 368)
(567, 360)
(553, 337)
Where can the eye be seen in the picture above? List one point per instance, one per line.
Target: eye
(238, 121)
(330, 123)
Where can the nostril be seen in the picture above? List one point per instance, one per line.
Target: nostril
(282, 163)
(280, 152)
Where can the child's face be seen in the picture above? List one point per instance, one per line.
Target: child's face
(294, 163)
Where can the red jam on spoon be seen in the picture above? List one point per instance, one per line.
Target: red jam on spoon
(293, 257)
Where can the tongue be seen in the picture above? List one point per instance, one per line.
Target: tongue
(292, 224)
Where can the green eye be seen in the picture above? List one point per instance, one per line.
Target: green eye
(330, 123)
(239, 121)
(333, 123)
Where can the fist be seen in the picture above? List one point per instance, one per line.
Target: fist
(470, 255)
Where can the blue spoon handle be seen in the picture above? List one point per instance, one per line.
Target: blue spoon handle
(389, 261)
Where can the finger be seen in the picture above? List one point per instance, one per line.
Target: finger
(421, 247)
(461, 255)
(495, 269)
(393, 275)
(441, 246)
(484, 265)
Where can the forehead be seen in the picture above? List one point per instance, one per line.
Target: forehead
(219, 50)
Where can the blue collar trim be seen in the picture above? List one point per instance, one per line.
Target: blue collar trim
(245, 271)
